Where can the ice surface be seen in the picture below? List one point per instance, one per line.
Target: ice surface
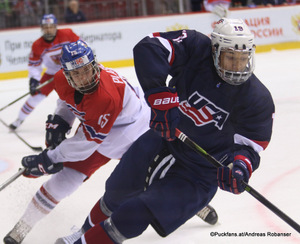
(277, 178)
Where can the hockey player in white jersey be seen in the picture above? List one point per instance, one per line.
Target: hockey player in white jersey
(45, 52)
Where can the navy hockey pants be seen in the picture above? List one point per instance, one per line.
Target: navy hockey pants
(174, 195)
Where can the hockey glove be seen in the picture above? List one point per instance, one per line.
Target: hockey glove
(38, 165)
(230, 177)
(56, 129)
(33, 83)
(164, 104)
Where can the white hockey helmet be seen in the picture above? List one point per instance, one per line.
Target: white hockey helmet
(233, 36)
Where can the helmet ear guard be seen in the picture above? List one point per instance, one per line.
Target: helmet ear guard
(234, 36)
(80, 67)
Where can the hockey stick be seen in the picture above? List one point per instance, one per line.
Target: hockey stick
(13, 178)
(37, 88)
(185, 139)
(39, 149)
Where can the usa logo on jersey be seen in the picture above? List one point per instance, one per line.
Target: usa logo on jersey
(202, 111)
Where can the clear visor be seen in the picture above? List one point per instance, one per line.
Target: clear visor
(84, 79)
(235, 66)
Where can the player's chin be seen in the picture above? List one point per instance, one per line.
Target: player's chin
(88, 89)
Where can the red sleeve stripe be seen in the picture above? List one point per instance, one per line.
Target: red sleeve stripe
(258, 146)
(263, 144)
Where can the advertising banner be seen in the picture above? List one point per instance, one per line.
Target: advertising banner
(113, 41)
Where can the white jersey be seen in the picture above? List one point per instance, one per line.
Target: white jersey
(48, 54)
(128, 118)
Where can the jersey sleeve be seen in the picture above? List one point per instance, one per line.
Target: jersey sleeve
(161, 54)
(253, 126)
(64, 112)
(73, 149)
(35, 61)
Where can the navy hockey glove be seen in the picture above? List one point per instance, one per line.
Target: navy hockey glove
(33, 83)
(38, 165)
(56, 129)
(230, 177)
(164, 104)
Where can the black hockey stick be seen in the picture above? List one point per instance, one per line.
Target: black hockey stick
(12, 179)
(193, 145)
(37, 88)
(38, 149)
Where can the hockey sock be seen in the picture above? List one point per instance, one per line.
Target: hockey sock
(95, 235)
(58, 187)
(128, 221)
(41, 204)
(29, 105)
(64, 183)
(96, 216)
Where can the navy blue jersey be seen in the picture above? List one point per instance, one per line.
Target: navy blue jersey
(229, 122)
(225, 120)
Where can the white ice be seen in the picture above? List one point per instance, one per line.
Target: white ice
(277, 179)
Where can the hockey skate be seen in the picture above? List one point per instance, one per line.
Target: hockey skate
(17, 234)
(14, 125)
(208, 214)
(71, 238)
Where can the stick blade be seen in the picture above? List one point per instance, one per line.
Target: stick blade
(37, 149)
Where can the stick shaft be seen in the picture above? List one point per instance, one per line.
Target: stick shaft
(185, 139)
(37, 88)
(12, 179)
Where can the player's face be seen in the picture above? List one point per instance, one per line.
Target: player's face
(83, 76)
(49, 31)
(234, 60)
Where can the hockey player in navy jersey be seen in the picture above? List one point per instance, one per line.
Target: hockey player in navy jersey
(216, 100)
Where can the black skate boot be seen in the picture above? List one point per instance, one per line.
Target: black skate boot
(208, 214)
